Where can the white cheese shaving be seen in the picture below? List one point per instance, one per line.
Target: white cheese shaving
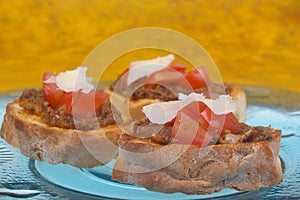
(222, 105)
(163, 112)
(142, 68)
(72, 80)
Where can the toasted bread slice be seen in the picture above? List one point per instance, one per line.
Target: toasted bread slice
(42, 142)
(194, 170)
(133, 108)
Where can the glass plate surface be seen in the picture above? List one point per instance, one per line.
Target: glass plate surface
(97, 182)
(266, 107)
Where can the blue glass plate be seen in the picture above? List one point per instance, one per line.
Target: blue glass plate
(97, 182)
(266, 107)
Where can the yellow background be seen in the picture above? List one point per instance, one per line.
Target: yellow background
(252, 41)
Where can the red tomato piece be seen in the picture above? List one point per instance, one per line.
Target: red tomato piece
(196, 124)
(200, 111)
(167, 77)
(231, 123)
(51, 92)
(67, 99)
(206, 115)
(171, 122)
(180, 67)
(187, 130)
(100, 98)
(47, 75)
(198, 78)
(221, 123)
(88, 104)
(190, 127)
(83, 104)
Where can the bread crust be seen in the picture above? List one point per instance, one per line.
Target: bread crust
(134, 110)
(239, 96)
(193, 170)
(54, 145)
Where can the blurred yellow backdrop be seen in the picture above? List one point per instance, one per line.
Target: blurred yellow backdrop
(251, 41)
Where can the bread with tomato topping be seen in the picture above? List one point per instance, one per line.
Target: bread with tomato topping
(39, 141)
(75, 127)
(130, 95)
(132, 107)
(200, 151)
(174, 168)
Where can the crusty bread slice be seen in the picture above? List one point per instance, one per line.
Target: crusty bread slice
(193, 170)
(39, 141)
(133, 108)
